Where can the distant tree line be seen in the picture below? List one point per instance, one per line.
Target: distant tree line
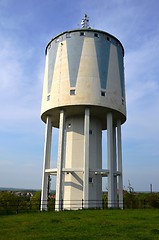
(136, 200)
(12, 203)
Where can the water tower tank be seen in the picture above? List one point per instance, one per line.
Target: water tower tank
(84, 67)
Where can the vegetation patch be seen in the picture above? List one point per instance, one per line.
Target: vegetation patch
(155, 231)
(89, 224)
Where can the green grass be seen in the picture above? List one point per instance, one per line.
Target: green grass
(84, 225)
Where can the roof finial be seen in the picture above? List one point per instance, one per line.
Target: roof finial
(85, 21)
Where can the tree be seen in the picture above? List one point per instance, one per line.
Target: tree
(8, 202)
(35, 201)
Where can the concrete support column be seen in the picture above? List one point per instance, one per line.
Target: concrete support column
(58, 203)
(120, 178)
(115, 167)
(86, 158)
(110, 156)
(46, 163)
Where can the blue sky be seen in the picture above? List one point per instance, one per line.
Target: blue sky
(25, 29)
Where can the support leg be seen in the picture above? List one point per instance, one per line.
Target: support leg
(86, 158)
(46, 163)
(120, 178)
(58, 203)
(110, 155)
(115, 167)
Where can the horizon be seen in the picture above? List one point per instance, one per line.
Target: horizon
(54, 190)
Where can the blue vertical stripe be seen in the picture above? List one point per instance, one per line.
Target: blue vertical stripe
(52, 52)
(103, 51)
(74, 52)
(121, 69)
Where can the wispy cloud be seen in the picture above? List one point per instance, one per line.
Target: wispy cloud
(142, 88)
(20, 92)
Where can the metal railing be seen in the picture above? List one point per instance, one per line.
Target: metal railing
(8, 207)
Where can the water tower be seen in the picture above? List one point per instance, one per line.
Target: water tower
(84, 94)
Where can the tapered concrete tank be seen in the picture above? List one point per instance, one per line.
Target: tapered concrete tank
(84, 67)
(83, 94)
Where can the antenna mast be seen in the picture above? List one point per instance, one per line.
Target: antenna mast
(85, 21)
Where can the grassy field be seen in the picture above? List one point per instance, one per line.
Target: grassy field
(84, 225)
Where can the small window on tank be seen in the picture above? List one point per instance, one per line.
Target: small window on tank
(103, 93)
(82, 33)
(90, 132)
(57, 40)
(123, 101)
(49, 46)
(48, 98)
(108, 38)
(72, 92)
(96, 35)
(68, 35)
